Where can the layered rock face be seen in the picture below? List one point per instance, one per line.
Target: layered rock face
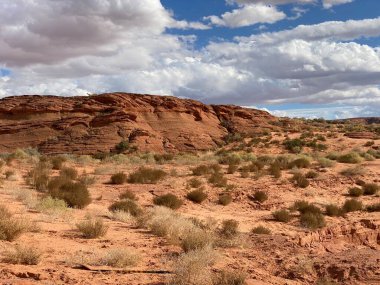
(87, 125)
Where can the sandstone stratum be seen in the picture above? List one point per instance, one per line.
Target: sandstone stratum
(97, 123)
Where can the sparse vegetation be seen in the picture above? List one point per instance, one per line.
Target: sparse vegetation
(352, 205)
(75, 194)
(355, 191)
(370, 188)
(119, 178)
(92, 228)
(225, 199)
(261, 230)
(120, 258)
(197, 196)
(229, 229)
(146, 175)
(230, 278)
(353, 171)
(128, 206)
(128, 195)
(260, 196)
(10, 227)
(334, 211)
(168, 200)
(25, 255)
(351, 157)
(312, 220)
(282, 216)
(300, 180)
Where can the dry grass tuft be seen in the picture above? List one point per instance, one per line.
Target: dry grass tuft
(92, 228)
(23, 255)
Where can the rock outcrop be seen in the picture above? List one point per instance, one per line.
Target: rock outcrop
(92, 124)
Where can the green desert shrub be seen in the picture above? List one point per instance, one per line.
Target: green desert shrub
(351, 157)
(260, 196)
(146, 175)
(325, 162)
(353, 171)
(370, 188)
(333, 210)
(282, 216)
(294, 145)
(75, 194)
(197, 196)
(260, 230)
(127, 206)
(312, 220)
(229, 229)
(373, 207)
(168, 200)
(300, 163)
(119, 178)
(128, 195)
(92, 228)
(195, 183)
(69, 173)
(355, 191)
(26, 255)
(352, 205)
(230, 278)
(225, 199)
(300, 180)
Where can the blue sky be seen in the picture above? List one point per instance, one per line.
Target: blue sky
(312, 58)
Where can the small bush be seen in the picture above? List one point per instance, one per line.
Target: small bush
(370, 188)
(128, 195)
(92, 228)
(353, 171)
(374, 208)
(23, 255)
(352, 206)
(312, 220)
(120, 258)
(282, 216)
(38, 177)
(195, 183)
(230, 228)
(355, 191)
(300, 180)
(69, 173)
(275, 170)
(311, 174)
(260, 196)
(50, 205)
(73, 193)
(146, 175)
(162, 158)
(197, 196)
(233, 159)
(168, 200)
(260, 230)
(225, 199)
(369, 143)
(197, 239)
(10, 227)
(119, 178)
(294, 145)
(325, 162)
(300, 163)
(218, 180)
(232, 168)
(352, 157)
(230, 278)
(128, 206)
(57, 162)
(333, 211)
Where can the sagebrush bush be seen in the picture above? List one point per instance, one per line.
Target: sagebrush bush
(38, 177)
(300, 163)
(373, 207)
(353, 171)
(325, 162)
(260, 230)
(230, 278)
(334, 211)
(229, 229)
(355, 191)
(300, 180)
(197, 239)
(197, 196)
(75, 194)
(120, 258)
(225, 199)
(195, 183)
(352, 205)
(10, 227)
(282, 216)
(119, 178)
(146, 175)
(312, 220)
(352, 157)
(92, 228)
(69, 172)
(25, 255)
(128, 195)
(128, 206)
(311, 174)
(218, 180)
(168, 200)
(260, 196)
(370, 188)
(294, 145)
(49, 205)
(57, 162)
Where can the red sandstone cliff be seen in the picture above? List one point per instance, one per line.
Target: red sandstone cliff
(86, 125)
